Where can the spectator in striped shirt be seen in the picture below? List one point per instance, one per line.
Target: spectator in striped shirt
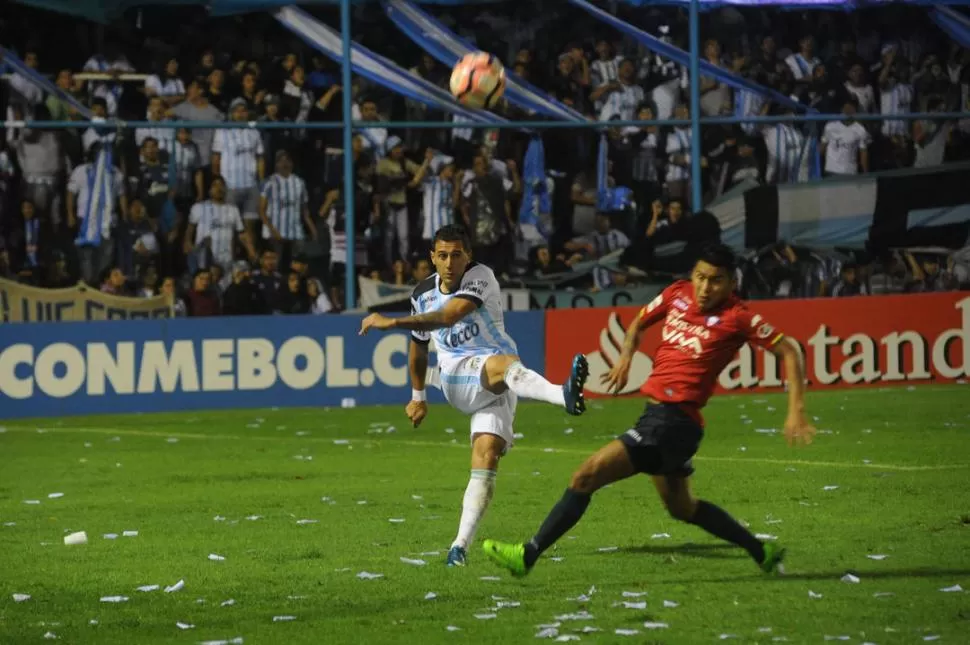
(604, 70)
(438, 205)
(284, 209)
(622, 97)
(603, 241)
(374, 139)
(215, 226)
(678, 149)
(237, 155)
(189, 177)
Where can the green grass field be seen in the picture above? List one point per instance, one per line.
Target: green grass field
(239, 484)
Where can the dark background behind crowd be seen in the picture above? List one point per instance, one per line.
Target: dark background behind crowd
(246, 221)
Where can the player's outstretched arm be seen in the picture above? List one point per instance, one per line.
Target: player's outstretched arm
(798, 429)
(417, 407)
(453, 311)
(616, 379)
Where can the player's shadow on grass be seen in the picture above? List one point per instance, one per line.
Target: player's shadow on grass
(716, 551)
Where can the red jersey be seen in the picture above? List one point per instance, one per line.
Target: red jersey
(696, 346)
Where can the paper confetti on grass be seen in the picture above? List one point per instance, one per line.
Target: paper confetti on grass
(146, 588)
(452, 628)
(178, 586)
(877, 556)
(485, 616)
(652, 625)
(633, 594)
(114, 598)
(953, 589)
(626, 632)
(366, 575)
(21, 597)
(415, 562)
(283, 619)
(129, 533)
(660, 536)
(670, 604)
(227, 603)
(850, 578)
(812, 594)
(183, 626)
(830, 487)
(215, 557)
(430, 595)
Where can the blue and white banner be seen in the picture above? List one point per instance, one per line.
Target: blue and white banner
(449, 48)
(375, 67)
(20, 303)
(213, 363)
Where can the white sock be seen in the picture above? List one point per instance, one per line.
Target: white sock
(478, 494)
(529, 384)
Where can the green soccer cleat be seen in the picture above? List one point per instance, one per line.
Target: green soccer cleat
(774, 554)
(508, 556)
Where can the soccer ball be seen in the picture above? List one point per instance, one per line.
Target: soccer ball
(478, 80)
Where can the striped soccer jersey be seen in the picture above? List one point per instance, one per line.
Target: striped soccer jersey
(286, 198)
(439, 205)
(219, 222)
(481, 332)
(239, 151)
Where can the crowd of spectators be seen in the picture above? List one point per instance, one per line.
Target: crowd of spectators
(252, 221)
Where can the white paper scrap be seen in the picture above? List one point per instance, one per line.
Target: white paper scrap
(490, 578)
(182, 625)
(635, 604)
(566, 638)
(129, 533)
(660, 536)
(653, 625)
(830, 487)
(227, 603)
(32, 502)
(110, 536)
(114, 598)
(305, 522)
(883, 594)
(953, 589)
(878, 556)
(485, 616)
(547, 632)
(50, 636)
(21, 597)
(366, 575)
(670, 604)
(215, 557)
(452, 628)
(430, 595)
(627, 632)
(812, 594)
(283, 619)
(55, 495)
(341, 442)
(396, 520)
(850, 578)
(176, 587)
(146, 588)
(415, 562)
(766, 536)
(607, 549)
(633, 594)
(579, 615)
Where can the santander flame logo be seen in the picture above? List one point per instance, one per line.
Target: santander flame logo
(603, 360)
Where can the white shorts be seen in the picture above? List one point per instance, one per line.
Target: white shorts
(461, 383)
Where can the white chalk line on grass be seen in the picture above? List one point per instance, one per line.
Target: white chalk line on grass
(463, 445)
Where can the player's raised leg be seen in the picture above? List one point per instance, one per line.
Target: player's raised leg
(675, 492)
(504, 371)
(610, 464)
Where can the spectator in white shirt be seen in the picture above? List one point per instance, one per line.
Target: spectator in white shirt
(845, 144)
(237, 155)
(620, 98)
(112, 62)
(156, 114)
(605, 69)
(166, 85)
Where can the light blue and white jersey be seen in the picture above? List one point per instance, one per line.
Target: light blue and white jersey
(239, 153)
(480, 333)
(286, 197)
(438, 205)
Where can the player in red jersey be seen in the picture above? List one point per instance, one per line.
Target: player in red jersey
(704, 325)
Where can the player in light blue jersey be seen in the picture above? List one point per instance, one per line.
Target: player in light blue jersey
(479, 370)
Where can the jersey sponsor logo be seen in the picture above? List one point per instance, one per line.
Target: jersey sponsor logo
(680, 304)
(684, 335)
(475, 287)
(456, 337)
(602, 360)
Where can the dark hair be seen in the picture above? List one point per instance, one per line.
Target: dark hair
(718, 255)
(452, 233)
(147, 139)
(216, 178)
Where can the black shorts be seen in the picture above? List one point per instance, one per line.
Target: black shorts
(664, 441)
